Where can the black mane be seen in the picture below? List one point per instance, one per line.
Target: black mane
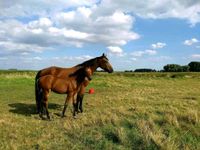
(80, 74)
(88, 63)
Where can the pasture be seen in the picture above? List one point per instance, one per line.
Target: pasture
(127, 111)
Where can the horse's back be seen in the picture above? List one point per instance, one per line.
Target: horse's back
(57, 85)
(56, 71)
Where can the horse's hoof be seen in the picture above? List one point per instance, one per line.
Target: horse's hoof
(48, 118)
(41, 116)
(77, 111)
(63, 116)
(75, 117)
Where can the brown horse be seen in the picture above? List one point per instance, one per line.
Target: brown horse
(93, 64)
(70, 86)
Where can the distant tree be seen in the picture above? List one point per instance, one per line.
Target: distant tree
(172, 68)
(176, 68)
(128, 71)
(194, 66)
(145, 70)
(185, 68)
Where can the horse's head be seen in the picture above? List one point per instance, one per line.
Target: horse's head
(104, 63)
(88, 73)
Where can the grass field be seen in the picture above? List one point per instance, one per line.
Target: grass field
(127, 111)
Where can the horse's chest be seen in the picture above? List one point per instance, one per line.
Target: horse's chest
(72, 87)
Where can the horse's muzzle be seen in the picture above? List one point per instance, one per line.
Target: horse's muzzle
(110, 71)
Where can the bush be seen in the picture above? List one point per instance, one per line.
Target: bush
(145, 70)
(194, 66)
(176, 68)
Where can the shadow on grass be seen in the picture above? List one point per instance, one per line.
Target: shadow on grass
(28, 109)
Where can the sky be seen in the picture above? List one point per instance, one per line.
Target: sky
(35, 34)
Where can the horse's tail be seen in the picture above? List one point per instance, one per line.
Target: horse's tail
(37, 92)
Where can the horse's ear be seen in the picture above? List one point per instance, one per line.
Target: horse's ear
(104, 55)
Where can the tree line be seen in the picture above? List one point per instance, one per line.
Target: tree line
(193, 66)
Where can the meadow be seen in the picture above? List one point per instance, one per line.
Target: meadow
(127, 111)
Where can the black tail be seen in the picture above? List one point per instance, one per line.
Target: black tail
(37, 93)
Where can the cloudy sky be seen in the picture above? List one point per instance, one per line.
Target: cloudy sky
(134, 34)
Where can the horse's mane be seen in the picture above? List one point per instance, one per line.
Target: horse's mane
(91, 62)
(88, 63)
(80, 74)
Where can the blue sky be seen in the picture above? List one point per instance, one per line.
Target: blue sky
(36, 34)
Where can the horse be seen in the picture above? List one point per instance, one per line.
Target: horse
(93, 64)
(70, 86)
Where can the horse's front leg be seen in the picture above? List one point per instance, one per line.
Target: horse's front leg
(69, 96)
(75, 105)
(45, 103)
(80, 98)
(81, 102)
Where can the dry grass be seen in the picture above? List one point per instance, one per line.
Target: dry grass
(127, 111)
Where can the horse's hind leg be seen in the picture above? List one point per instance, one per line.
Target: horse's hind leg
(74, 109)
(41, 112)
(75, 105)
(40, 102)
(45, 103)
(69, 96)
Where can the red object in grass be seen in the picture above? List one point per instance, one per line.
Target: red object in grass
(91, 91)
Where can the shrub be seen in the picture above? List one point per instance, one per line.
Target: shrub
(145, 70)
(194, 66)
(175, 68)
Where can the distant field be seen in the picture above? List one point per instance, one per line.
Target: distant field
(127, 111)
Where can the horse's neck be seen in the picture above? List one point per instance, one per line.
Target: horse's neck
(94, 67)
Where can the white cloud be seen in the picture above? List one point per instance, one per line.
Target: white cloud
(134, 59)
(41, 23)
(150, 52)
(78, 58)
(191, 41)
(145, 52)
(114, 50)
(160, 59)
(3, 58)
(182, 9)
(85, 12)
(137, 53)
(155, 9)
(35, 26)
(38, 62)
(112, 29)
(195, 56)
(19, 47)
(16, 8)
(72, 28)
(37, 58)
(158, 45)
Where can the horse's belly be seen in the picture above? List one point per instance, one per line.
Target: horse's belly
(59, 88)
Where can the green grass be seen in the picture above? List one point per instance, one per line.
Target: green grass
(128, 111)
